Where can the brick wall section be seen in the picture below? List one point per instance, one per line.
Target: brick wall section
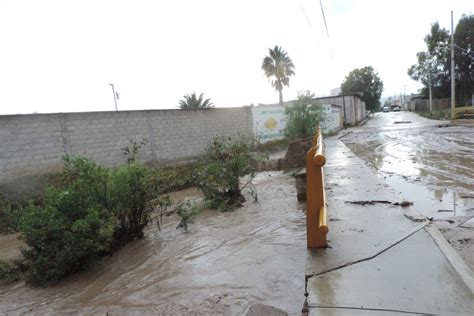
(35, 144)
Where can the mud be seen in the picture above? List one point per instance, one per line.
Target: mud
(224, 265)
(10, 247)
(426, 164)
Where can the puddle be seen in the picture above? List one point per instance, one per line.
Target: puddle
(226, 263)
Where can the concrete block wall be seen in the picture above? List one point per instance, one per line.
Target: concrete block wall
(29, 143)
(32, 145)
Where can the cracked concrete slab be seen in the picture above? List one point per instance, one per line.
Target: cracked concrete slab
(356, 231)
(412, 277)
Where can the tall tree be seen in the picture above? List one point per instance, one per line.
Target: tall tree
(434, 63)
(278, 68)
(192, 102)
(464, 58)
(367, 83)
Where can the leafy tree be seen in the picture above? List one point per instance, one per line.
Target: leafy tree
(367, 83)
(434, 63)
(464, 58)
(303, 116)
(278, 68)
(192, 102)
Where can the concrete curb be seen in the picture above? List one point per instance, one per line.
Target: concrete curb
(452, 256)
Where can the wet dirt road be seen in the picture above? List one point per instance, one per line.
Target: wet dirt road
(430, 163)
(227, 262)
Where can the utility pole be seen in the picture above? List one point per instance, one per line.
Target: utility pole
(429, 90)
(344, 108)
(453, 103)
(115, 96)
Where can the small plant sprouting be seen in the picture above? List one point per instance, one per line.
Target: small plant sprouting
(131, 150)
(187, 211)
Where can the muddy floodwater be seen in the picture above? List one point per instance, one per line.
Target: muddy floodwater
(431, 161)
(226, 263)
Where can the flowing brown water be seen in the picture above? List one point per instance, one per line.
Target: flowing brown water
(227, 262)
(432, 165)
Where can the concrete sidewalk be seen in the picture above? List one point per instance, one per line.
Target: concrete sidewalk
(383, 259)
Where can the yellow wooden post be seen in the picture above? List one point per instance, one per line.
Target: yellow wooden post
(316, 217)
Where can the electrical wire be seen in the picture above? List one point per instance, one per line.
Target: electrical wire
(326, 26)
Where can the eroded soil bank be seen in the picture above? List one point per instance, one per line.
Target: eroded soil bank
(430, 163)
(226, 263)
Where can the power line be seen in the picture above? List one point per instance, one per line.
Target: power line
(305, 15)
(324, 17)
(326, 26)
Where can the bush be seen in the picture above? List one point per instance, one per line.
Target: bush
(226, 162)
(63, 236)
(9, 217)
(72, 227)
(91, 212)
(187, 211)
(175, 178)
(303, 116)
(133, 193)
(8, 272)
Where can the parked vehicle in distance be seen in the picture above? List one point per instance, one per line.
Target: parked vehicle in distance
(386, 109)
(397, 109)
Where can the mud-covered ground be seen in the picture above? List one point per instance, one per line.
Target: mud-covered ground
(226, 263)
(430, 163)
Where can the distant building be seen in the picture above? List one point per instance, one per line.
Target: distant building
(270, 120)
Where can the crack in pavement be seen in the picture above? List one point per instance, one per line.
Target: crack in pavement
(418, 228)
(367, 309)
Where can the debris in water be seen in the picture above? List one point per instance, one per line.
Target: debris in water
(373, 202)
(344, 135)
(445, 220)
(403, 204)
(402, 122)
(467, 196)
(334, 219)
(445, 211)
(416, 219)
(464, 241)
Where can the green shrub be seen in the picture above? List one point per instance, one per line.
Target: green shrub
(9, 217)
(226, 162)
(303, 116)
(90, 212)
(8, 272)
(176, 178)
(187, 211)
(63, 236)
(134, 191)
(72, 227)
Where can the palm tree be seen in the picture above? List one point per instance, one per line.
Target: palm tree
(191, 102)
(280, 67)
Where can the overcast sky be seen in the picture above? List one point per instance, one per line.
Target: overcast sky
(60, 56)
